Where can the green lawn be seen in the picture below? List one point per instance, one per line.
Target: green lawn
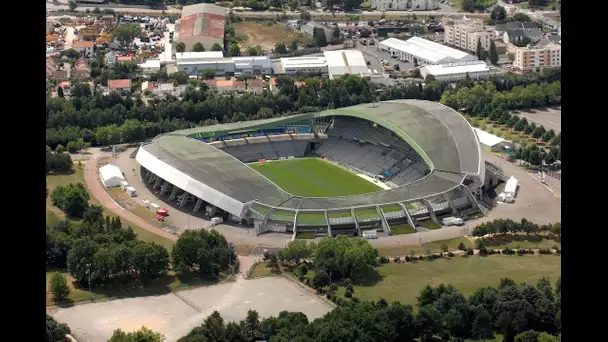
(391, 209)
(283, 215)
(366, 214)
(430, 224)
(339, 214)
(432, 247)
(314, 177)
(399, 229)
(260, 270)
(403, 282)
(306, 235)
(54, 215)
(315, 219)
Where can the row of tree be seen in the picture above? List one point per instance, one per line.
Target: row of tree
(506, 226)
(483, 98)
(521, 124)
(57, 162)
(536, 156)
(516, 311)
(82, 116)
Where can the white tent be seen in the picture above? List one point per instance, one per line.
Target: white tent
(110, 175)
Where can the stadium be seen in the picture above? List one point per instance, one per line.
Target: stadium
(344, 171)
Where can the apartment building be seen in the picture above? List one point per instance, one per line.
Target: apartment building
(465, 33)
(532, 58)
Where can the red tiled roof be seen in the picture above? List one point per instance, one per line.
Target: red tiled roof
(119, 84)
(124, 58)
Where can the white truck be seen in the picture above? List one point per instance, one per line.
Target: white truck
(369, 234)
(452, 221)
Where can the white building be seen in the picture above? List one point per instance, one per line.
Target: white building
(150, 66)
(491, 141)
(309, 28)
(255, 65)
(423, 52)
(110, 175)
(198, 56)
(453, 72)
(402, 5)
(304, 65)
(342, 62)
(465, 34)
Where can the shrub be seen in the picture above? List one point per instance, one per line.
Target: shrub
(521, 251)
(301, 278)
(330, 296)
(307, 281)
(433, 256)
(348, 294)
(356, 300)
(266, 255)
(558, 251)
(555, 247)
(347, 282)
(422, 257)
(470, 251)
(544, 251)
(59, 287)
(408, 258)
(333, 287)
(461, 246)
(483, 252)
(350, 288)
(450, 254)
(444, 248)
(397, 259)
(384, 260)
(508, 251)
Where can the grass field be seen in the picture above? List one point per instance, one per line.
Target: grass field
(403, 282)
(267, 34)
(399, 229)
(391, 209)
(519, 241)
(339, 214)
(306, 235)
(260, 270)
(432, 247)
(54, 215)
(430, 224)
(314, 177)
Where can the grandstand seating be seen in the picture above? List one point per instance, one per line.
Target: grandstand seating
(272, 150)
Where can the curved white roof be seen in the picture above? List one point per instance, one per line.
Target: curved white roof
(427, 50)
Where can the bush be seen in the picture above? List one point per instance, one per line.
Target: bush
(544, 251)
(433, 256)
(555, 247)
(301, 278)
(483, 252)
(348, 294)
(384, 260)
(350, 288)
(397, 259)
(558, 251)
(307, 281)
(521, 251)
(508, 251)
(333, 287)
(356, 300)
(461, 246)
(444, 248)
(266, 255)
(470, 251)
(422, 257)
(330, 296)
(493, 251)
(408, 258)
(450, 254)
(59, 287)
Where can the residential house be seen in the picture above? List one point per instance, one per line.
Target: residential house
(255, 86)
(147, 86)
(226, 86)
(465, 34)
(110, 58)
(124, 59)
(57, 70)
(82, 70)
(121, 86)
(500, 29)
(66, 87)
(537, 57)
(516, 35)
(167, 89)
(84, 47)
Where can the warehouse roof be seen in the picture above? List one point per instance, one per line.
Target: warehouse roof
(342, 62)
(427, 50)
(455, 68)
(302, 62)
(197, 56)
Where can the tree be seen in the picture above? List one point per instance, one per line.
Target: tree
(72, 5)
(527, 336)
(429, 322)
(498, 13)
(293, 46)
(461, 246)
(180, 47)
(80, 258)
(343, 257)
(254, 50)
(538, 132)
(318, 37)
(454, 324)
(125, 33)
(60, 92)
(198, 47)
(234, 50)
(280, 48)
(55, 331)
(296, 250)
(493, 53)
(482, 325)
(72, 147)
(468, 5)
(142, 335)
(73, 199)
(217, 47)
(521, 125)
(305, 15)
(150, 260)
(320, 280)
(204, 251)
(479, 49)
(59, 287)
(59, 148)
(350, 5)
(208, 74)
(520, 16)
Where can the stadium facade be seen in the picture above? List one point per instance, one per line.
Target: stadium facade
(426, 154)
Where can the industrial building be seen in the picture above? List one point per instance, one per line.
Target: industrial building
(342, 62)
(194, 63)
(304, 64)
(421, 51)
(309, 30)
(400, 5)
(201, 23)
(453, 72)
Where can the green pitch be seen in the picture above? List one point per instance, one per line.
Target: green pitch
(314, 177)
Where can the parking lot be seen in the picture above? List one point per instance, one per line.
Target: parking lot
(375, 57)
(175, 314)
(550, 118)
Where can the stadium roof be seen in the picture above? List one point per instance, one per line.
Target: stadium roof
(487, 138)
(427, 50)
(442, 137)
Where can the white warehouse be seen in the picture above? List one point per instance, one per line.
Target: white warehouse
(453, 72)
(423, 52)
(194, 63)
(342, 62)
(304, 64)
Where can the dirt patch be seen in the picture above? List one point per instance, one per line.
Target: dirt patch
(267, 35)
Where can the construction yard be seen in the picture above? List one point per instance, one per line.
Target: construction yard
(267, 34)
(175, 314)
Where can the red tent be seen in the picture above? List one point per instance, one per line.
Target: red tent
(162, 211)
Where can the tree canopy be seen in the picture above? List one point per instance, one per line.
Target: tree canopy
(73, 199)
(202, 251)
(344, 257)
(55, 331)
(126, 33)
